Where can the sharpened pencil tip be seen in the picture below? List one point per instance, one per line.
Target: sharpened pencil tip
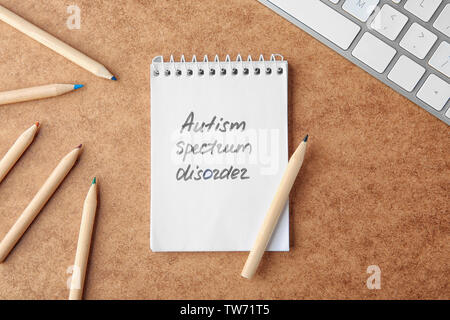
(79, 147)
(78, 86)
(306, 138)
(114, 78)
(37, 124)
(94, 181)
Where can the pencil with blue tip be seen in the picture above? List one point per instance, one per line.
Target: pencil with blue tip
(54, 43)
(18, 148)
(35, 93)
(84, 243)
(275, 210)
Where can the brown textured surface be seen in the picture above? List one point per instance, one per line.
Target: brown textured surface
(373, 190)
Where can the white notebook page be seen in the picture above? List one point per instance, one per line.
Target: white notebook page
(218, 152)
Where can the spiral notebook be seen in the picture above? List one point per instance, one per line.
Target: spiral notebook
(219, 148)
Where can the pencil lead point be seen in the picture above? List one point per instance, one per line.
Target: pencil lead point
(94, 181)
(37, 124)
(114, 78)
(79, 147)
(306, 138)
(78, 86)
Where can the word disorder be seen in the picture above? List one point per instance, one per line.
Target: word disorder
(215, 132)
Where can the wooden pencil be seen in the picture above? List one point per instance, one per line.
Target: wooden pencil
(34, 93)
(53, 43)
(275, 209)
(84, 243)
(17, 149)
(38, 202)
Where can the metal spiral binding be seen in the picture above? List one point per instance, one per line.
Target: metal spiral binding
(216, 67)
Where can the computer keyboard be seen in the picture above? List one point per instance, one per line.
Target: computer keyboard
(403, 43)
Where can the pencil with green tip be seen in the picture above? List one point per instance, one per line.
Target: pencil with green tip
(275, 209)
(38, 202)
(35, 93)
(84, 243)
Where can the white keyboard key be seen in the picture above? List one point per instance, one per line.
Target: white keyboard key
(396, 1)
(406, 73)
(447, 114)
(322, 19)
(418, 40)
(442, 22)
(360, 9)
(334, 1)
(389, 22)
(374, 52)
(441, 59)
(423, 9)
(435, 92)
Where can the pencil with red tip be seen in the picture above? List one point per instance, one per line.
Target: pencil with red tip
(18, 148)
(38, 202)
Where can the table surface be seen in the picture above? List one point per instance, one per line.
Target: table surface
(373, 189)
